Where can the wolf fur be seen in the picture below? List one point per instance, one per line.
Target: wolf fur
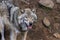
(31, 17)
(3, 13)
(13, 18)
(4, 20)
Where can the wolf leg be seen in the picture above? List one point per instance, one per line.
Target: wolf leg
(13, 35)
(2, 28)
(2, 33)
(24, 35)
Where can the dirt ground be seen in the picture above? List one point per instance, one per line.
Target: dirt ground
(39, 31)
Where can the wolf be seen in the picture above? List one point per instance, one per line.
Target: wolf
(23, 21)
(16, 20)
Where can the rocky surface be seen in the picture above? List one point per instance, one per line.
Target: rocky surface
(39, 31)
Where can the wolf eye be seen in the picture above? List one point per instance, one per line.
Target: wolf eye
(26, 17)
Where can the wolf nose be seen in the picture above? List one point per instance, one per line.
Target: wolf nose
(30, 24)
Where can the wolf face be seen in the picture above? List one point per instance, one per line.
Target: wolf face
(27, 19)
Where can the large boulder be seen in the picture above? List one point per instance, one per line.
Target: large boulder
(47, 3)
(58, 1)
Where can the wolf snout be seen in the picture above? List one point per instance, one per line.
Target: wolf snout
(30, 24)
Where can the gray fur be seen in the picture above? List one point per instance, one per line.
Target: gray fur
(27, 17)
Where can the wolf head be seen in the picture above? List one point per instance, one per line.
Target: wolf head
(27, 18)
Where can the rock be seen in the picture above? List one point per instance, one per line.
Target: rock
(47, 3)
(58, 1)
(26, 1)
(57, 35)
(56, 26)
(46, 22)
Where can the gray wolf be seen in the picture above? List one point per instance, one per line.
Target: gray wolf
(18, 21)
(23, 21)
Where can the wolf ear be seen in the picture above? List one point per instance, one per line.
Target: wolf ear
(35, 17)
(34, 14)
(34, 10)
(22, 11)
